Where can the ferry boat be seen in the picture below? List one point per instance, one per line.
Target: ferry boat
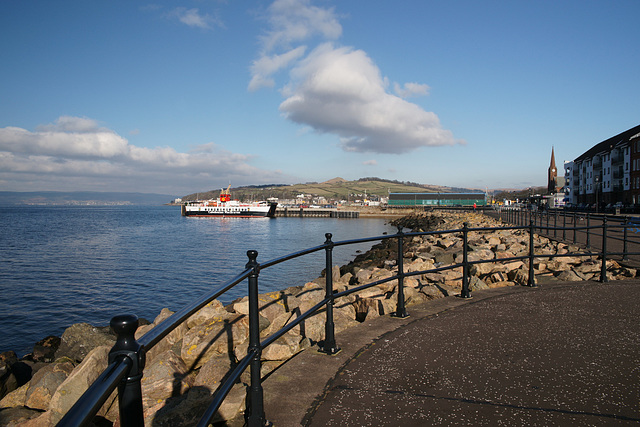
(225, 207)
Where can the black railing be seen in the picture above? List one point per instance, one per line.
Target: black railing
(127, 357)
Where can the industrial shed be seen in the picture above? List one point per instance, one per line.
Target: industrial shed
(437, 199)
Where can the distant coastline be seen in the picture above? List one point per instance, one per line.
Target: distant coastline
(82, 198)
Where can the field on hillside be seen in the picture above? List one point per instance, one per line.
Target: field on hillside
(335, 189)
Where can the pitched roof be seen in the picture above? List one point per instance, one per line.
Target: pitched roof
(608, 144)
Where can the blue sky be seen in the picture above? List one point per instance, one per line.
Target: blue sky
(178, 97)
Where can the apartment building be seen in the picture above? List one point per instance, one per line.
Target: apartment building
(607, 173)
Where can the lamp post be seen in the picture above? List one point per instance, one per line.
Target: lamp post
(596, 190)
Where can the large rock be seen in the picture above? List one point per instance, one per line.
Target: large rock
(168, 341)
(166, 377)
(207, 314)
(8, 381)
(19, 416)
(219, 337)
(367, 308)
(475, 284)
(79, 339)
(45, 382)
(15, 398)
(212, 373)
(79, 381)
(283, 348)
(270, 305)
(569, 276)
(432, 292)
(45, 349)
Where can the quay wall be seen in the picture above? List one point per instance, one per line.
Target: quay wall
(316, 213)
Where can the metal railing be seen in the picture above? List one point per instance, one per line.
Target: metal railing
(127, 357)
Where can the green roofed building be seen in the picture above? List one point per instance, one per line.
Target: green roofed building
(437, 199)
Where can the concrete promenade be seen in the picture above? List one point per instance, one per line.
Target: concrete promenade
(557, 354)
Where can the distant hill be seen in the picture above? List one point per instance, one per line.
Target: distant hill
(333, 189)
(81, 198)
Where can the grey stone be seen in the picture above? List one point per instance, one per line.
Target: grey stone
(79, 339)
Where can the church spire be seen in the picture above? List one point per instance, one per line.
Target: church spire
(553, 174)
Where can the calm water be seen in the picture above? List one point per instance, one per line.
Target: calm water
(64, 265)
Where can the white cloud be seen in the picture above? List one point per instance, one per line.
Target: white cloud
(290, 22)
(295, 21)
(74, 153)
(340, 90)
(194, 18)
(265, 66)
(370, 163)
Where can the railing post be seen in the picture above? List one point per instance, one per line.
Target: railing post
(625, 256)
(548, 234)
(254, 414)
(465, 263)
(329, 346)
(564, 225)
(532, 280)
(575, 224)
(130, 389)
(588, 230)
(555, 221)
(519, 218)
(401, 310)
(603, 267)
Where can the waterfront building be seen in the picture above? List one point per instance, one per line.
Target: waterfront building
(569, 194)
(604, 174)
(437, 199)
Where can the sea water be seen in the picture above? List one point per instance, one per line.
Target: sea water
(65, 265)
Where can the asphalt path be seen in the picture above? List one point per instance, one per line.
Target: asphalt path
(557, 354)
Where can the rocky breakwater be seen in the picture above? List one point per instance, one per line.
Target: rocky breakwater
(187, 366)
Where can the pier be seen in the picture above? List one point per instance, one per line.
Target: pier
(315, 213)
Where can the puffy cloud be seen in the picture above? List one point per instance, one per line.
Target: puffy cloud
(370, 163)
(74, 153)
(339, 90)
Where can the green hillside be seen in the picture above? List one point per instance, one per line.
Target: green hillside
(334, 189)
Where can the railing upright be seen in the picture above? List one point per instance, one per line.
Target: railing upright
(329, 346)
(255, 404)
(588, 230)
(465, 263)
(603, 267)
(625, 256)
(532, 280)
(130, 388)
(547, 233)
(564, 225)
(575, 225)
(401, 310)
(555, 221)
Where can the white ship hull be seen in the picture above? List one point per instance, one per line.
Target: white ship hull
(213, 208)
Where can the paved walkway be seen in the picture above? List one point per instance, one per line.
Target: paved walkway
(558, 354)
